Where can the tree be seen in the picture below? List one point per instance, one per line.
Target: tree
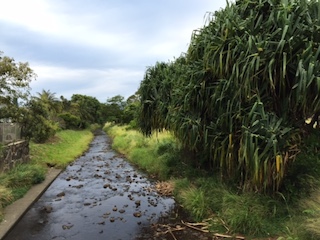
(14, 85)
(87, 108)
(131, 109)
(50, 102)
(36, 122)
(113, 109)
(240, 96)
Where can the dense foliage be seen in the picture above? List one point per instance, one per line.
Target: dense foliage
(239, 98)
(14, 85)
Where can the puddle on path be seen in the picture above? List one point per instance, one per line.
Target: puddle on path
(100, 196)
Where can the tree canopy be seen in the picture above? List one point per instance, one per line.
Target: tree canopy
(14, 85)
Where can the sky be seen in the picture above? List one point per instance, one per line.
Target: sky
(98, 48)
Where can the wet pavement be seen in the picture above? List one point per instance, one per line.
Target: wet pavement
(101, 196)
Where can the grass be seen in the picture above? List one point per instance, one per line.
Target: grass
(62, 149)
(16, 182)
(58, 151)
(5, 197)
(148, 153)
(292, 214)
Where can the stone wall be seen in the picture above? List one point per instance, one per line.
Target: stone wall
(13, 154)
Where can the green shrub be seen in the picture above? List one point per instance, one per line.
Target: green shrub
(43, 131)
(70, 121)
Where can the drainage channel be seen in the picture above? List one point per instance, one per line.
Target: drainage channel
(101, 196)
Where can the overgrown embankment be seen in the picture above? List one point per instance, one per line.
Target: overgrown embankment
(58, 152)
(290, 214)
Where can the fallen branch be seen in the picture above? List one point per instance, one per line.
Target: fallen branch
(224, 225)
(172, 234)
(198, 224)
(169, 228)
(228, 236)
(195, 228)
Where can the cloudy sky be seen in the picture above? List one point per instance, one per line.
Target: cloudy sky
(98, 48)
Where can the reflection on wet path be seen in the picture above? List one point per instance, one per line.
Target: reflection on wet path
(99, 196)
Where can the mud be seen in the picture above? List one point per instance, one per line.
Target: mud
(102, 196)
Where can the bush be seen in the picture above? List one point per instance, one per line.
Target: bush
(43, 131)
(70, 121)
(94, 127)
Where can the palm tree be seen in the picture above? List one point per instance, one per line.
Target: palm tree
(50, 102)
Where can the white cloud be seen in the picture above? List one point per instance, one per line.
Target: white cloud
(97, 47)
(91, 82)
(34, 15)
(49, 18)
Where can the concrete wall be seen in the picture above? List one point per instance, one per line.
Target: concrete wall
(13, 154)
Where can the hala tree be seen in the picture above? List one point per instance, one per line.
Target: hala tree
(240, 96)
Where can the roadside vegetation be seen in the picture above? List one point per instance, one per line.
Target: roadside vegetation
(292, 213)
(61, 149)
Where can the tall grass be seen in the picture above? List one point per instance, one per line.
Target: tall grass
(312, 210)
(147, 153)
(23, 175)
(228, 211)
(16, 182)
(5, 197)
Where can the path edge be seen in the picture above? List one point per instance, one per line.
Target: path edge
(17, 209)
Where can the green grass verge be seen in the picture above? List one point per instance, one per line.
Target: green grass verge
(62, 149)
(153, 154)
(58, 151)
(290, 215)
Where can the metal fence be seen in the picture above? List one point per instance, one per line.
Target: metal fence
(9, 132)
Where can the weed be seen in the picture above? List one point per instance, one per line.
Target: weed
(5, 197)
(24, 175)
(245, 214)
(19, 192)
(194, 201)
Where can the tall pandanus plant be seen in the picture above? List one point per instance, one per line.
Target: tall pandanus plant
(240, 96)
